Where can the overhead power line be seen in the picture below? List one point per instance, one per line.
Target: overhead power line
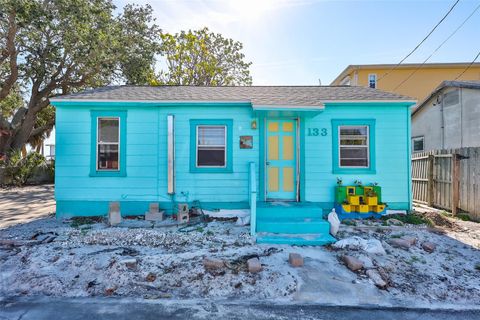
(435, 51)
(468, 67)
(421, 42)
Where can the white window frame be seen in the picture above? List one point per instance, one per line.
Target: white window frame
(374, 75)
(367, 146)
(211, 146)
(423, 143)
(107, 143)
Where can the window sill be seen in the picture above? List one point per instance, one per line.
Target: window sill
(108, 174)
(354, 171)
(210, 170)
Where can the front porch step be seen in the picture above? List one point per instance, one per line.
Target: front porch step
(309, 239)
(293, 225)
(281, 210)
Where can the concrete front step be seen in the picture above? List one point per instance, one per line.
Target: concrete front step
(288, 211)
(293, 226)
(309, 239)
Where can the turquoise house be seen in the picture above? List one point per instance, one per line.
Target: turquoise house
(277, 150)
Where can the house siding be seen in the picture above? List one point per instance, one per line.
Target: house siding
(79, 193)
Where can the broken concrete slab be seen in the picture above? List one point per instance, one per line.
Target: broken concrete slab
(367, 262)
(295, 260)
(412, 240)
(212, 264)
(352, 263)
(394, 222)
(254, 265)
(130, 263)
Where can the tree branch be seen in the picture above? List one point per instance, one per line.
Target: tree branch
(11, 53)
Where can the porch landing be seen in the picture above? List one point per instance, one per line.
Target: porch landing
(293, 223)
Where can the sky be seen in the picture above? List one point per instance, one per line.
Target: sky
(302, 42)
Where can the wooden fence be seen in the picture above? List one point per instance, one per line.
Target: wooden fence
(448, 179)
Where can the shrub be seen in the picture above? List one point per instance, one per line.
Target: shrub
(19, 169)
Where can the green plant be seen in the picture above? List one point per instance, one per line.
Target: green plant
(411, 218)
(358, 183)
(339, 181)
(19, 169)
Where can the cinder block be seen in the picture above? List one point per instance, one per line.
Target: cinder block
(183, 217)
(153, 207)
(183, 207)
(154, 216)
(295, 260)
(114, 216)
(254, 265)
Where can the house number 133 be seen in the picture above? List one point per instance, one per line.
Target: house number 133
(317, 132)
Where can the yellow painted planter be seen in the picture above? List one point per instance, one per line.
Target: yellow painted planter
(372, 201)
(363, 208)
(347, 208)
(379, 208)
(354, 200)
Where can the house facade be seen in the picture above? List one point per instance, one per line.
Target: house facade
(422, 78)
(449, 118)
(275, 150)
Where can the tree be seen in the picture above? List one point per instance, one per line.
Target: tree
(62, 46)
(204, 58)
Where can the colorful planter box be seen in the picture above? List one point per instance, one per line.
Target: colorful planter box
(371, 201)
(354, 200)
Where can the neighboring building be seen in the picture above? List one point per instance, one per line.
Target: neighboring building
(448, 118)
(424, 81)
(174, 144)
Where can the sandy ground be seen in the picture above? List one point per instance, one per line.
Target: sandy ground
(65, 259)
(20, 205)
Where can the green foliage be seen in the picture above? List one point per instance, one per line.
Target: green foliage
(64, 46)
(19, 169)
(201, 57)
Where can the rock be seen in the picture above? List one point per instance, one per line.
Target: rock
(110, 291)
(394, 222)
(254, 265)
(151, 277)
(429, 246)
(400, 243)
(295, 260)
(376, 278)
(334, 222)
(131, 263)
(212, 264)
(352, 263)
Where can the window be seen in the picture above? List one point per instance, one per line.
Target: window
(108, 143)
(108, 150)
(372, 80)
(353, 146)
(211, 143)
(417, 144)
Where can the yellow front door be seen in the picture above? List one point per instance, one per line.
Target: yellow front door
(281, 160)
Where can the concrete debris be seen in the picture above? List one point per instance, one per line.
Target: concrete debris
(295, 260)
(254, 265)
(130, 263)
(400, 243)
(375, 276)
(411, 240)
(151, 277)
(429, 246)
(352, 263)
(367, 262)
(334, 222)
(373, 246)
(212, 264)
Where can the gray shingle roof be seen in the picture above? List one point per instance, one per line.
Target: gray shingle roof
(257, 95)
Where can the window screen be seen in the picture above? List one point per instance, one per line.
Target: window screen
(211, 146)
(417, 144)
(108, 144)
(353, 145)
